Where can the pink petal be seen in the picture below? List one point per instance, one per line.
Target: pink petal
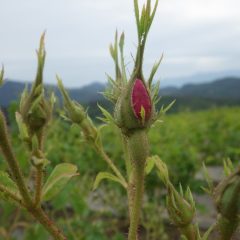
(140, 98)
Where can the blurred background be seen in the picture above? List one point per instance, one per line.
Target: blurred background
(200, 69)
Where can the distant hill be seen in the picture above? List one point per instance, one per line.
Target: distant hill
(221, 92)
(11, 91)
(227, 88)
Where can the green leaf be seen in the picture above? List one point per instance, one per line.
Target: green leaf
(57, 180)
(149, 165)
(8, 184)
(106, 175)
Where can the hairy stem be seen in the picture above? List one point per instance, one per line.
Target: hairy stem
(38, 184)
(39, 171)
(41, 216)
(7, 151)
(189, 232)
(126, 156)
(136, 187)
(138, 146)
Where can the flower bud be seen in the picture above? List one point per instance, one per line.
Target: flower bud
(181, 209)
(35, 110)
(227, 199)
(134, 109)
(77, 114)
(141, 102)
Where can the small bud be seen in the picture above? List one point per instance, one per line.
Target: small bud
(180, 208)
(75, 111)
(227, 199)
(77, 115)
(34, 109)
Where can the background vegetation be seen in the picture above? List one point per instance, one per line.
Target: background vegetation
(183, 140)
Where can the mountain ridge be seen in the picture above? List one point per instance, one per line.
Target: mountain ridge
(218, 92)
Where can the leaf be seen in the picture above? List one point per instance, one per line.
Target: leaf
(57, 180)
(106, 175)
(7, 182)
(9, 185)
(149, 165)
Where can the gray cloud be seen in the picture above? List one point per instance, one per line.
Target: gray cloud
(196, 36)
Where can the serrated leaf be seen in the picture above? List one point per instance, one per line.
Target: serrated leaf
(57, 180)
(106, 175)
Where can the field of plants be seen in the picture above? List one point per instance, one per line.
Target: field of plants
(184, 141)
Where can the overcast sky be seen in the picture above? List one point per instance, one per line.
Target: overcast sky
(196, 37)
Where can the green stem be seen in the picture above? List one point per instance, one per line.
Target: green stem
(111, 164)
(138, 147)
(39, 171)
(41, 216)
(189, 232)
(38, 213)
(7, 151)
(136, 188)
(126, 156)
(38, 184)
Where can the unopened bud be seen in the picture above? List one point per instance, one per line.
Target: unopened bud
(76, 114)
(35, 110)
(134, 108)
(180, 208)
(141, 102)
(226, 196)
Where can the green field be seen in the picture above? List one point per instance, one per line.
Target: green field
(182, 140)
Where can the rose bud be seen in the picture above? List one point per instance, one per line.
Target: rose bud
(134, 109)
